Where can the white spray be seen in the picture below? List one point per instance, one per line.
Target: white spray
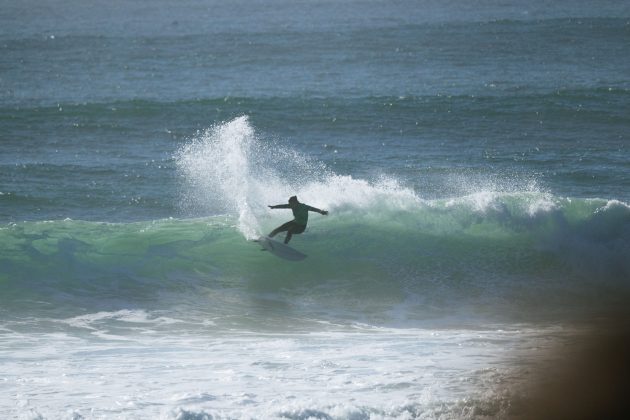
(228, 169)
(216, 164)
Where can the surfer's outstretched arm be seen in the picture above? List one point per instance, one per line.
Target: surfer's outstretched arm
(280, 206)
(323, 212)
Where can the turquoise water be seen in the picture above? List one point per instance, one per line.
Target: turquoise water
(473, 159)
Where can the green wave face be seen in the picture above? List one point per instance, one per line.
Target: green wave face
(499, 253)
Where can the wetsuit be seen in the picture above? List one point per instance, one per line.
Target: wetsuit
(298, 224)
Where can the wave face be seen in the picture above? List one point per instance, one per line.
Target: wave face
(384, 254)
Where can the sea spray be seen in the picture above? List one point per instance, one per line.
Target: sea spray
(217, 166)
(230, 169)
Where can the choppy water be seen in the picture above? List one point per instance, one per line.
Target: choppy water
(473, 158)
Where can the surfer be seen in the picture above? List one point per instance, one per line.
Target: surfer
(300, 215)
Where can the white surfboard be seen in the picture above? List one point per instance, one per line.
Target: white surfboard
(279, 249)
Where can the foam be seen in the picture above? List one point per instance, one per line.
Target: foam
(381, 374)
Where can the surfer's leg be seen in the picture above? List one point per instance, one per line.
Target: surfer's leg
(280, 228)
(294, 228)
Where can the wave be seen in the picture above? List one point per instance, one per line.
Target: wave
(382, 249)
(485, 252)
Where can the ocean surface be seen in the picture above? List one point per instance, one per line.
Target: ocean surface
(474, 157)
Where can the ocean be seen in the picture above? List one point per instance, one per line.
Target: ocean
(474, 158)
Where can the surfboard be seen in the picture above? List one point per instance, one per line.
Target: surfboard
(279, 249)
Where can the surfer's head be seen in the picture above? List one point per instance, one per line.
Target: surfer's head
(293, 200)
